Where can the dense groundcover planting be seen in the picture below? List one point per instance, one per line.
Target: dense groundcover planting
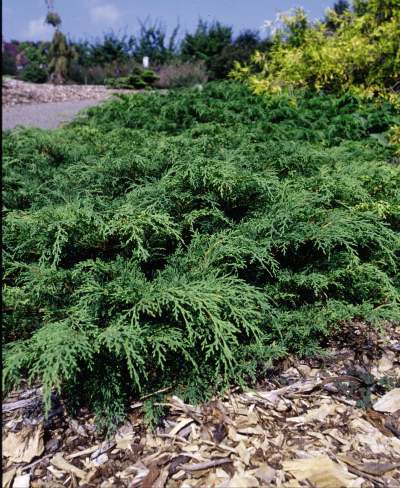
(188, 239)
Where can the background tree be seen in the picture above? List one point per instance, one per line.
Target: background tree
(111, 48)
(206, 44)
(36, 52)
(9, 59)
(60, 52)
(32, 57)
(241, 49)
(81, 63)
(61, 56)
(152, 41)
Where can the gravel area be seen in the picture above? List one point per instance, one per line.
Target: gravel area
(43, 115)
(46, 105)
(16, 92)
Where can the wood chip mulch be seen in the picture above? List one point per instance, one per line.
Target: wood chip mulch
(325, 422)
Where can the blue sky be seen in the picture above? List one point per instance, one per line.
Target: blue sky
(23, 19)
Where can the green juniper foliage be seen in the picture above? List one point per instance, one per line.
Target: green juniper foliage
(188, 239)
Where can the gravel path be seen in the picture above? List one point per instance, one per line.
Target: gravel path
(43, 115)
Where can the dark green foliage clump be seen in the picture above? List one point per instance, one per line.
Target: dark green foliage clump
(214, 45)
(188, 239)
(34, 73)
(8, 63)
(206, 44)
(139, 78)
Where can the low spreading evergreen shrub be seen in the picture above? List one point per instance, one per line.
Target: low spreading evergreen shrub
(188, 239)
(137, 79)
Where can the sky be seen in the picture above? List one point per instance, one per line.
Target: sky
(88, 19)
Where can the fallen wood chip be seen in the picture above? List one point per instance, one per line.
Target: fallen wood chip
(221, 447)
(158, 458)
(389, 402)
(59, 462)
(23, 446)
(320, 471)
(242, 451)
(251, 431)
(102, 459)
(104, 447)
(89, 450)
(374, 469)
(205, 465)
(393, 425)
(141, 474)
(10, 406)
(179, 475)
(55, 472)
(301, 386)
(162, 479)
(22, 481)
(175, 438)
(341, 379)
(376, 481)
(318, 414)
(29, 466)
(265, 473)
(150, 478)
(243, 480)
(272, 396)
(176, 463)
(8, 477)
(180, 425)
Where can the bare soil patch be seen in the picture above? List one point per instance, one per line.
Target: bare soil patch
(328, 421)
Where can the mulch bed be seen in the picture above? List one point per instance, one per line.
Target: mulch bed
(326, 422)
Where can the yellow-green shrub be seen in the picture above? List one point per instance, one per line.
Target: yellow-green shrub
(361, 55)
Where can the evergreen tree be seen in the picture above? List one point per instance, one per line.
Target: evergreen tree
(152, 41)
(207, 44)
(60, 53)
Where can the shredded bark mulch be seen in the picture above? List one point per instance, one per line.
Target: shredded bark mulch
(329, 421)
